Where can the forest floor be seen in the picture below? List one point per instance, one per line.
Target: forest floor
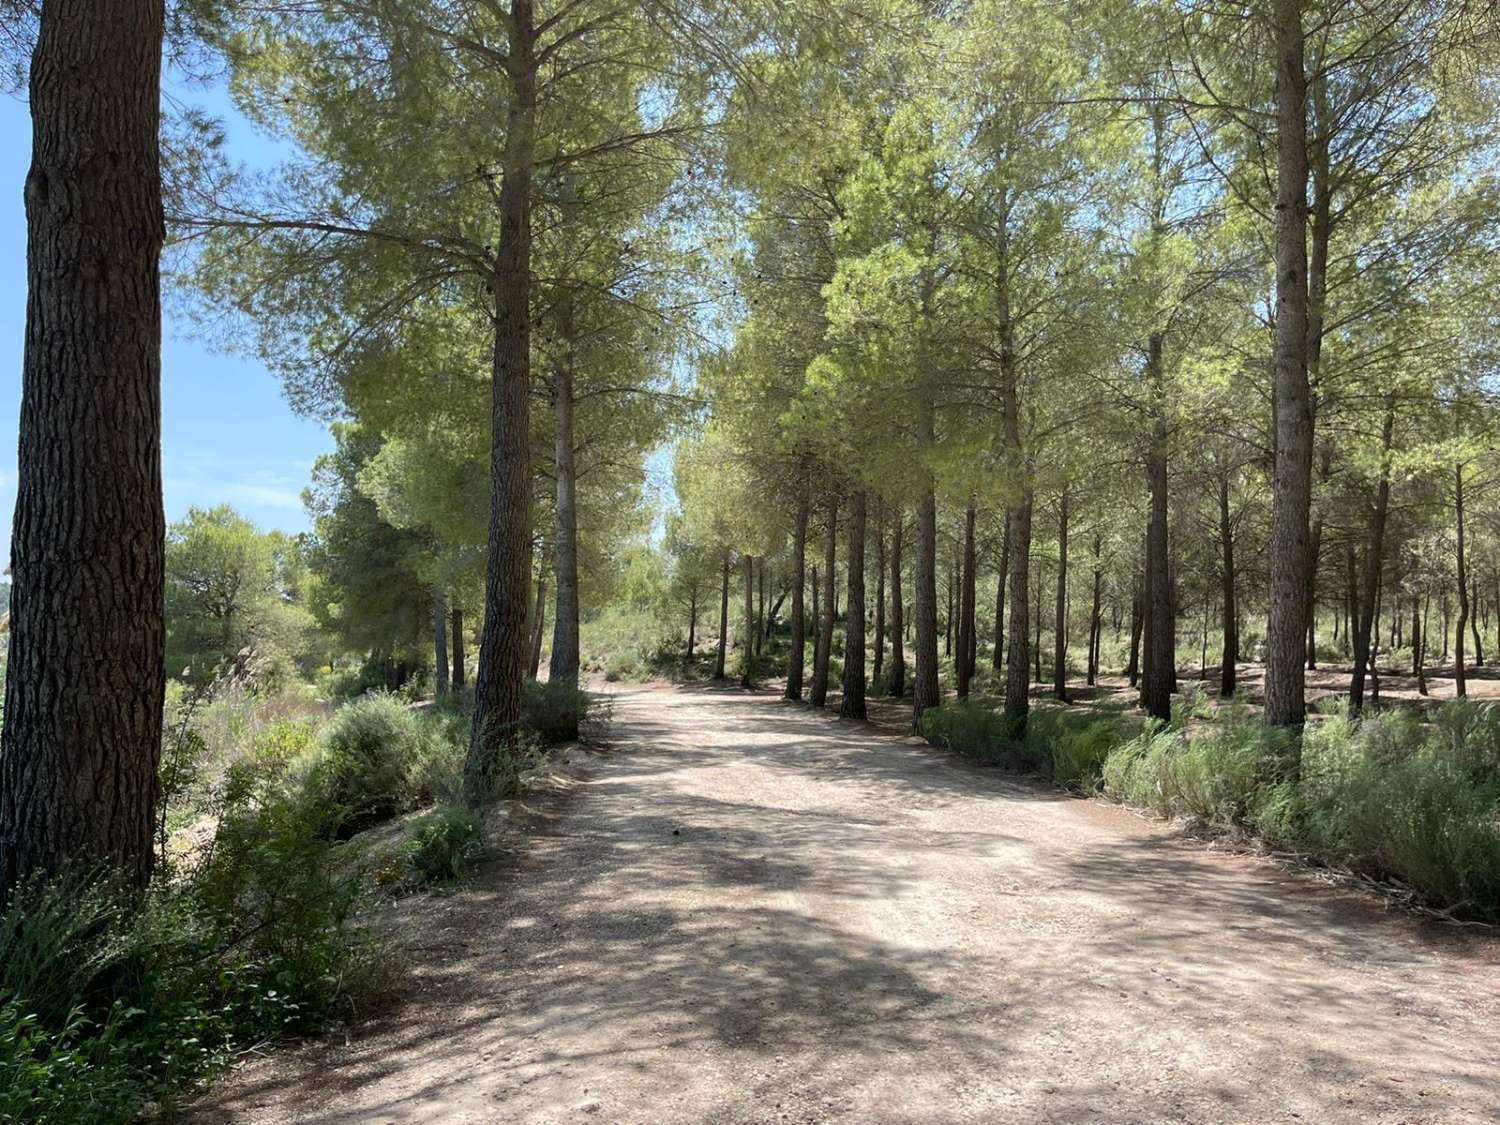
(745, 911)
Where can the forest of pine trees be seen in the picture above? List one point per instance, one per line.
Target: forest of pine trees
(1006, 366)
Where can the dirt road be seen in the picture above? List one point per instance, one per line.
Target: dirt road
(747, 912)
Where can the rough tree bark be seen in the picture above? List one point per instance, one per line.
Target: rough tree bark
(538, 616)
(896, 685)
(1374, 557)
(1231, 655)
(997, 657)
(1291, 496)
(879, 665)
(852, 706)
(439, 643)
(456, 627)
(964, 665)
(925, 682)
(796, 656)
(563, 666)
(1060, 616)
(86, 675)
(747, 641)
(723, 618)
(502, 647)
(1460, 680)
(1160, 623)
(819, 694)
(1096, 619)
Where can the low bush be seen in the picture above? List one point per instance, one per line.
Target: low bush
(442, 844)
(980, 733)
(553, 711)
(362, 770)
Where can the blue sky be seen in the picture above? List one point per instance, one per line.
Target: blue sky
(228, 435)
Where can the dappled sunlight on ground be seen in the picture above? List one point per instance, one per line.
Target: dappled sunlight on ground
(747, 911)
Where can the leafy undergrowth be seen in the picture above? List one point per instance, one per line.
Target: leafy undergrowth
(1386, 796)
(252, 929)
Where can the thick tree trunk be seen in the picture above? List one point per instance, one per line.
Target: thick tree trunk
(925, 685)
(948, 617)
(852, 706)
(747, 641)
(1419, 642)
(456, 627)
(1060, 616)
(1291, 497)
(964, 667)
(1096, 616)
(1036, 646)
(1227, 669)
(1314, 549)
(879, 665)
(896, 687)
(819, 696)
(502, 648)
(563, 667)
(86, 672)
(760, 607)
(796, 656)
(1161, 625)
(1017, 688)
(1460, 681)
(1474, 625)
(997, 657)
(1374, 557)
(439, 644)
(692, 639)
(539, 617)
(1137, 627)
(723, 619)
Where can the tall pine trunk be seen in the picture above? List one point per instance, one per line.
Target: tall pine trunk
(1460, 680)
(1017, 686)
(852, 706)
(1060, 616)
(439, 643)
(825, 627)
(1159, 675)
(1231, 655)
(86, 673)
(896, 685)
(747, 635)
(723, 618)
(1291, 496)
(997, 657)
(563, 667)
(796, 656)
(456, 623)
(538, 616)
(498, 685)
(1374, 556)
(1096, 618)
(964, 665)
(879, 665)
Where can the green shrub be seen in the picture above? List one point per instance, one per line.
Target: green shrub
(72, 1074)
(553, 711)
(971, 729)
(1467, 733)
(362, 770)
(1135, 771)
(1078, 743)
(442, 844)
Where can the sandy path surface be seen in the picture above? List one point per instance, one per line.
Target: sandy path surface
(747, 912)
